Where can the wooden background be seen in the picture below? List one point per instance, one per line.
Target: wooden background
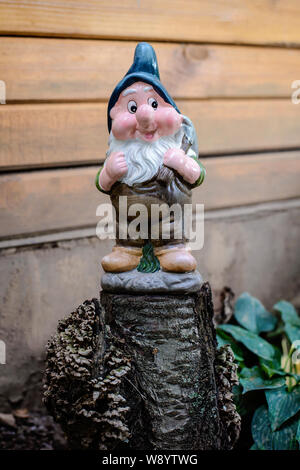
(228, 64)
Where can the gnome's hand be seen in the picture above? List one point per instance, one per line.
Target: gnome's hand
(115, 168)
(116, 165)
(183, 164)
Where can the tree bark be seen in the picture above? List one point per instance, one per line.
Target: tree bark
(157, 357)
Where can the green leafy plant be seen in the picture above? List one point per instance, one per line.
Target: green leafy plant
(148, 263)
(265, 347)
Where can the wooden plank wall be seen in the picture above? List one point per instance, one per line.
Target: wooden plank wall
(228, 64)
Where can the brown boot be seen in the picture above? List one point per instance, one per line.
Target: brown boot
(121, 259)
(176, 259)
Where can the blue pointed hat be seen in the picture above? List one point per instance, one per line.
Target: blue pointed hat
(143, 69)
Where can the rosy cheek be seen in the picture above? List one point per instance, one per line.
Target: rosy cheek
(168, 121)
(124, 126)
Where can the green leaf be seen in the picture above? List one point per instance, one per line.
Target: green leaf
(253, 342)
(288, 312)
(265, 439)
(252, 379)
(282, 405)
(293, 332)
(270, 372)
(285, 438)
(252, 315)
(223, 339)
(261, 429)
(239, 401)
(149, 263)
(247, 372)
(272, 367)
(298, 432)
(291, 319)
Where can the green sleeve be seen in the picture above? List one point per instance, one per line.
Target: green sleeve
(97, 181)
(202, 174)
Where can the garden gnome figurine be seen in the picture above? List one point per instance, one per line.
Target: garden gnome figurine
(152, 159)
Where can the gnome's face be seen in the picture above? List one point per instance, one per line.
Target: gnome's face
(141, 113)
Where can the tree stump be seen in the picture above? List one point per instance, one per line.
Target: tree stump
(142, 372)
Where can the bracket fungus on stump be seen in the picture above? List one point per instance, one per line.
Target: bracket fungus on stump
(142, 372)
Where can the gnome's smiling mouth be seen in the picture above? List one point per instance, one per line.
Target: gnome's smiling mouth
(147, 136)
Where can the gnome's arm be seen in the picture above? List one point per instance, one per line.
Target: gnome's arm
(114, 168)
(201, 178)
(190, 147)
(179, 159)
(193, 172)
(97, 181)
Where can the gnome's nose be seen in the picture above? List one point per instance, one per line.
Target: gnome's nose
(145, 117)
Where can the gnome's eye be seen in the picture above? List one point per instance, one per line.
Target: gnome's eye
(153, 103)
(132, 107)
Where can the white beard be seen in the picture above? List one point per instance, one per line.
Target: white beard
(143, 158)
